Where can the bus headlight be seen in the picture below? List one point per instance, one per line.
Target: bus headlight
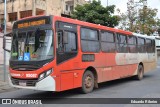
(41, 76)
(45, 74)
(48, 72)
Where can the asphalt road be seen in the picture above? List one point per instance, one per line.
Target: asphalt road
(149, 87)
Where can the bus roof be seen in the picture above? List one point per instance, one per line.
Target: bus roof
(96, 26)
(30, 17)
(82, 23)
(87, 24)
(144, 36)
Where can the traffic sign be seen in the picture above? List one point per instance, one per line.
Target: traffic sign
(26, 56)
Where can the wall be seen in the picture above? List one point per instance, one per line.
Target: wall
(1, 50)
(53, 7)
(50, 7)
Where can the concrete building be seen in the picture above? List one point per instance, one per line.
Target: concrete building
(17, 9)
(1, 50)
(8, 43)
(8, 46)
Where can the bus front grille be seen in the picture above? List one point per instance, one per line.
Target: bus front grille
(23, 82)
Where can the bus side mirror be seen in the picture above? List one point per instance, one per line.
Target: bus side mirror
(4, 42)
(65, 38)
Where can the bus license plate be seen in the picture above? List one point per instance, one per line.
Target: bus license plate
(22, 83)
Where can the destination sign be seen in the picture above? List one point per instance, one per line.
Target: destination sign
(33, 23)
(36, 21)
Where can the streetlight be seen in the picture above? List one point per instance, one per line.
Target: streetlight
(4, 38)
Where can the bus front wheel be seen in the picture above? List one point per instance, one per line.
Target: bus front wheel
(140, 73)
(87, 82)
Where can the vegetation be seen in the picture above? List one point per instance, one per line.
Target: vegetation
(94, 12)
(142, 20)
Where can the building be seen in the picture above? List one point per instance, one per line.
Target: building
(17, 9)
(8, 46)
(8, 43)
(69, 5)
(1, 50)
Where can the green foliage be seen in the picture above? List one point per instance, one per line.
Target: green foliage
(143, 20)
(95, 13)
(158, 24)
(147, 20)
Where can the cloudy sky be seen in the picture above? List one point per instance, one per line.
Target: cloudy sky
(121, 4)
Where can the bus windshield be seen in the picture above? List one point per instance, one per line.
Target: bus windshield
(32, 45)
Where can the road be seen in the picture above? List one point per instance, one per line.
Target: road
(149, 87)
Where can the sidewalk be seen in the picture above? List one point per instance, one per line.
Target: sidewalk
(4, 86)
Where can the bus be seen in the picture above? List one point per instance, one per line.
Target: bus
(157, 40)
(52, 53)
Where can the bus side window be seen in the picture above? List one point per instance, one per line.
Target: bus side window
(132, 42)
(153, 46)
(108, 42)
(141, 45)
(60, 41)
(66, 41)
(149, 46)
(69, 41)
(121, 44)
(89, 40)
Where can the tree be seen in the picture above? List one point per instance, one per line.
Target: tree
(94, 12)
(141, 20)
(128, 19)
(147, 20)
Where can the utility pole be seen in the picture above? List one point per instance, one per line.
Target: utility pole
(4, 38)
(107, 3)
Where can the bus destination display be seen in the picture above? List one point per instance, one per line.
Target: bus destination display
(32, 23)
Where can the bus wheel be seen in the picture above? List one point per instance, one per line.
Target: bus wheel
(87, 82)
(140, 73)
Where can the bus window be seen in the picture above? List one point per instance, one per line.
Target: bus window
(107, 42)
(59, 39)
(121, 44)
(141, 45)
(149, 46)
(37, 44)
(67, 45)
(70, 46)
(89, 40)
(153, 46)
(132, 44)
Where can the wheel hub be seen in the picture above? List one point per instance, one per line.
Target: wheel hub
(88, 81)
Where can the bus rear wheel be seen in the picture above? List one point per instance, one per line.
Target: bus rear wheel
(87, 82)
(140, 73)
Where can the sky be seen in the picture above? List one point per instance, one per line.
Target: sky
(122, 4)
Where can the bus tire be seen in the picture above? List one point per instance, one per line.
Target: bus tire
(87, 82)
(140, 73)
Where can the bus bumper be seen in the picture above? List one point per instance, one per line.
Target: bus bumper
(47, 84)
